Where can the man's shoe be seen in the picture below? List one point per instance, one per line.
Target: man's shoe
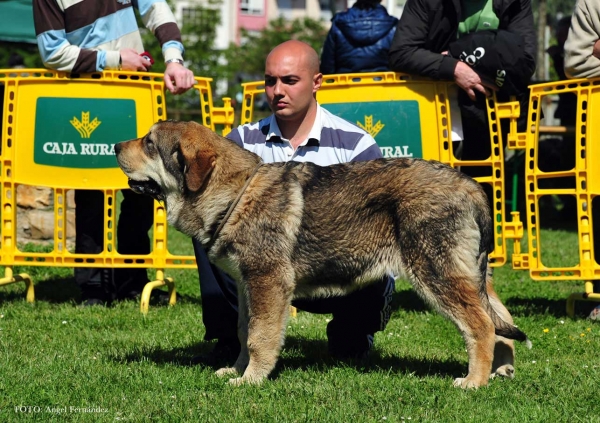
(157, 297)
(595, 314)
(345, 354)
(92, 295)
(344, 344)
(90, 302)
(225, 351)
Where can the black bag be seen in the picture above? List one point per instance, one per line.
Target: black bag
(498, 57)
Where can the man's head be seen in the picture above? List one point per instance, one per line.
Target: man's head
(292, 79)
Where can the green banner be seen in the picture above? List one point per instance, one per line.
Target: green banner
(395, 125)
(81, 132)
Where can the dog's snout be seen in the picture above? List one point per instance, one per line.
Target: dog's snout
(118, 147)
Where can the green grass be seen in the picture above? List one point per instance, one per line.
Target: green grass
(55, 355)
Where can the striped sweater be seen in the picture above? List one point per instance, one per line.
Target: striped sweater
(86, 35)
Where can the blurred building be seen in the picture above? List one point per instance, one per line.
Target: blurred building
(254, 15)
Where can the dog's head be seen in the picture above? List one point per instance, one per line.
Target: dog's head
(174, 157)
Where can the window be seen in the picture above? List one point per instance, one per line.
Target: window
(252, 7)
(201, 19)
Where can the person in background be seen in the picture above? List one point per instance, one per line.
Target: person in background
(359, 39)
(582, 47)
(567, 103)
(93, 36)
(481, 45)
(557, 51)
(582, 60)
(298, 130)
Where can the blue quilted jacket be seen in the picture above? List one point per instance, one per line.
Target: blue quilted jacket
(358, 41)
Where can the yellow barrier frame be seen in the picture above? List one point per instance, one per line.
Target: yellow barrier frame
(587, 184)
(20, 167)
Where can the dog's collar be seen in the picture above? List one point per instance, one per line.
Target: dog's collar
(231, 208)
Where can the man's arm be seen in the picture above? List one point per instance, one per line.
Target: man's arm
(236, 135)
(407, 52)
(580, 61)
(366, 149)
(58, 53)
(522, 25)
(158, 18)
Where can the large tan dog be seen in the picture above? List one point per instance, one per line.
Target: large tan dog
(290, 230)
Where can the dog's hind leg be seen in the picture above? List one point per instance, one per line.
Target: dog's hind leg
(457, 299)
(504, 350)
(477, 328)
(268, 310)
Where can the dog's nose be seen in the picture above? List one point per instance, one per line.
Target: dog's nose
(118, 148)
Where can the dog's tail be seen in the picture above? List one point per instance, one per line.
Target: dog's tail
(495, 309)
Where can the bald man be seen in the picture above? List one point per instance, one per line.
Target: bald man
(298, 130)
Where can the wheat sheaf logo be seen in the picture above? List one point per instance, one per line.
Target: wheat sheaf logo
(373, 130)
(84, 126)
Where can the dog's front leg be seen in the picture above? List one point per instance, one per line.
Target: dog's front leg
(242, 361)
(268, 302)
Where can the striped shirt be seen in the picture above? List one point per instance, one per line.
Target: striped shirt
(86, 35)
(331, 140)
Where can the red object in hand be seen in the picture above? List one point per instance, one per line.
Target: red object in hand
(148, 57)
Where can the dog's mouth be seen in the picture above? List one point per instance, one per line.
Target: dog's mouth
(149, 187)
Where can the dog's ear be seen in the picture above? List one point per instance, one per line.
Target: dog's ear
(197, 164)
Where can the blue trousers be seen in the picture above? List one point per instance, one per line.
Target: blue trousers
(356, 317)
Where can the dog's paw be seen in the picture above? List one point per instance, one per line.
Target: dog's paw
(226, 371)
(244, 380)
(505, 371)
(466, 383)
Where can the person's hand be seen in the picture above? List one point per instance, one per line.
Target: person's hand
(467, 79)
(132, 61)
(596, 50)
(178, 79)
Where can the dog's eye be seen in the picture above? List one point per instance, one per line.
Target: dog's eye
(149, 142)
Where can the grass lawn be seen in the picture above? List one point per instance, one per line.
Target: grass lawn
(68, 363)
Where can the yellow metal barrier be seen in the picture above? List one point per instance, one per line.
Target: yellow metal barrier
(582, 183)
(410, 117)
(59, 131)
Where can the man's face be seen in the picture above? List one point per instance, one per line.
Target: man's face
(289, 85)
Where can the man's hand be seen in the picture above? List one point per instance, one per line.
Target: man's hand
(596, 50)
(467, 79)
(178, 79)
(132, 61)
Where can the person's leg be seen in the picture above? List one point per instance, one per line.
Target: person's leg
(95, 282)
(219, 303)
(356, 317)
(476, 144)
(135, 220)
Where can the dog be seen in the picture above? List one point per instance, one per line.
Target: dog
(298, 230)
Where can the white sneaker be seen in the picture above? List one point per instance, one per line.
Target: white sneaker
(595, 314)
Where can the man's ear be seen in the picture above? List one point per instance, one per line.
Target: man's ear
(197, 166)
(317, 82)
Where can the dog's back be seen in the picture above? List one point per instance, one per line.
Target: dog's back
(384, 215)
